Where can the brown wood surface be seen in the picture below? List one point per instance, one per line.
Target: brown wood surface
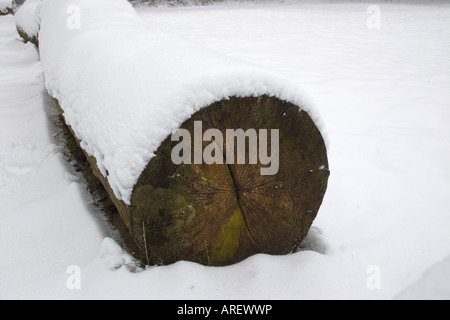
(222, 214)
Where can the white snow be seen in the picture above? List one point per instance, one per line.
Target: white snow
(43, 223)
(433, 285)
(384, 97)
(125, 87)
(28, 18)
(5, 4)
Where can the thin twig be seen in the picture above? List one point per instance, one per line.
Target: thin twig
(145, 243)
(207, 254)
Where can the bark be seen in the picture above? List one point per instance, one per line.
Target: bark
(6, 11)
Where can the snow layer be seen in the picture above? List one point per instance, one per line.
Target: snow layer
(125, 87)
(385, 99)
(5, 4)
(433, 285)
(27, 17)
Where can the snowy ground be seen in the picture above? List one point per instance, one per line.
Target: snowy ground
(383, 230)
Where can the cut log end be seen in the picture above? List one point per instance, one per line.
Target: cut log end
(222, 213)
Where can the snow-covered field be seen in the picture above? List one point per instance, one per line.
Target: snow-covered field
(383, 94)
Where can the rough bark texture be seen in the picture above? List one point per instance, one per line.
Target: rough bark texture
(86, 165)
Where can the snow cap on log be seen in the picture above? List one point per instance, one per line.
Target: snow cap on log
(125, 87)
(7, 7)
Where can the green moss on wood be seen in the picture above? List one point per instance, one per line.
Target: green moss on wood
(228, 240)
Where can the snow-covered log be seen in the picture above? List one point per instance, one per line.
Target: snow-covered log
(7, 7)
(125, 90)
